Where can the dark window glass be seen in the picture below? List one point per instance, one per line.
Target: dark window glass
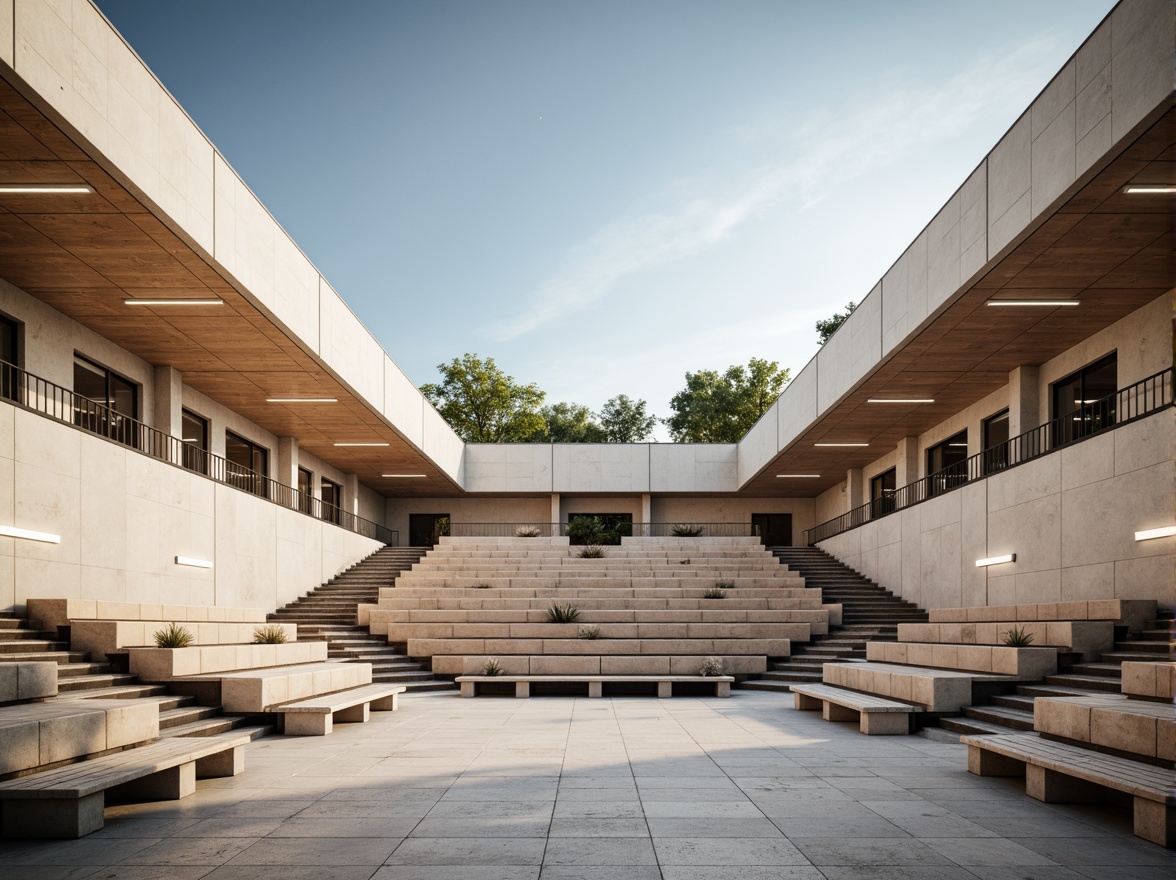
(1084, 402)
(332, 495)
(947, 464)
(882, 489)
(8, 358)
(995, 441)
(105, 402)
(247, 464)
(195, 437)
(305, 498)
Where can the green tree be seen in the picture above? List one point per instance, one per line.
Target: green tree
(484, 405)
(721, 408)
(624, 420)
(828, 326)
(568, 423)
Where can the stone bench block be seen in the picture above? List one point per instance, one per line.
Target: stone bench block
(1140, 727)
(1088, 637)
(21, 680)
(259, 689)
(53, 613)
(595, 665)
(38, 734)
(317, 715)
(572, 647)
(1153, 681)
(1133, 613)
(101, 637)
(1029, 663)
(938, 690)
(470, 684)
(164, 664)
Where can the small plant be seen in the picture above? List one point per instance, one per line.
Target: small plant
(1018, 637)
(592, 551)
(685, 530)
(711, 667)
(269, 635)
(715, 592)
(563, 613)
(724, 585)
(173, 636)
(588, 632)
(683, 562)
(492, 667)
(482, 586)
(528, 532)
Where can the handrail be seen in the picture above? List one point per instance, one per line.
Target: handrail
(1124, 406)
(40, 396)
(637, 529)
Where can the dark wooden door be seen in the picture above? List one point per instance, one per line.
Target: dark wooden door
(775, 529)
(425, 528)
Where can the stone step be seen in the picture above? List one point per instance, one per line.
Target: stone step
(1011, 719)
(93, 682)
(1085, 682)
(1107, 670)
(113, 692)
(1118, 657)
(966, 725)
(59, 657)
(1014, 701)
(185, 715)
(761, 684)
(23, 646)
(1162, 647)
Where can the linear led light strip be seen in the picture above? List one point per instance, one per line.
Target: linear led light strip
(1149, 534)
(1149, 189)
(29, 535)
(1043, 303)
(831, 445)
(361, 444)
(996, 560)
(21, 189)
(797, 476)
(195, 563)
(176, 301)
(302, 400)
(404, 476)
(901, 400)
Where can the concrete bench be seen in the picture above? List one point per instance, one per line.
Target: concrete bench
(1110, 721)
(1060, 773)
(165, 664)
(259, 690)
(22, 680)
(1087, 637)
(40, 734)
(665, 683)
(1028, 663)
(53, 613)
(597, 664)
(69, 802)
(876, 716)
(1149, 680)
(938, 690)
(316, 716)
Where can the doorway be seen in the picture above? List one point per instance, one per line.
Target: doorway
(775, 529)
(425, 529)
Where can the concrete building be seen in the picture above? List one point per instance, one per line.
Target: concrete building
(181, 385)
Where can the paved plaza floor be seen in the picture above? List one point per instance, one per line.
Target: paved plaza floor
(614, 789)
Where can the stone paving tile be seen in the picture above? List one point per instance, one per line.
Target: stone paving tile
(291, 872)
(618, 851)
(468, 851)
(189, 851)
(318, 851)
(823, 851)
(740, 872)
(457, 872)
(727, 851)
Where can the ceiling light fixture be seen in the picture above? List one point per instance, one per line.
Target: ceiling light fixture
(1149, 534)
(178, 301)
(1138, 189)
(21, 189)
(404, 476)
(996, 560)
(29, 535)
(797, 476)
(194, 563)
(302, 400)
(361, 444)
(901, 400)
(840, 444)
(1043, 303)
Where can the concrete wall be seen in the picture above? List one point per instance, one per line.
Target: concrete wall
(124, 517)
(468, 509)
(1070, 516)
(680, 508)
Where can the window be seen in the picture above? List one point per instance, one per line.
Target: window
(947, 464)
(305, 498)
(9, 331)
(195, 436)
(1084, 402)
(247, 465)
(105, 402)
(882, 489)
(995, 433)
(332, 494)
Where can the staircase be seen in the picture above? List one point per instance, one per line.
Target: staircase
(1013, 713)
(869, 613)
(328, 613)
(79, 678)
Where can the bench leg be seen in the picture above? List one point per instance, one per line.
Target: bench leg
(805, 703)
(387, 704)
(62, 818)
(165, 785)
(722, 688)
(885, 723)
(595, 689)
(1052, 787)
(664, 689)
(230, 762)
(467, 689)
(308, 724)
(522, 688)
(356, 714)
(1155, 822)
(833, 712)
(985, 763)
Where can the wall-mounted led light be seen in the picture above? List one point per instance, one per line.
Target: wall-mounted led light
(195, 563)
(404, 476)
(901, 400)
(1140, 189)
(302, 400)
(29, 535)
(1150, 534)
(833, 445)
(177, 301)
(797, 476)
(23, 189)
(1041, 303)
(361, 444)
(996, 560)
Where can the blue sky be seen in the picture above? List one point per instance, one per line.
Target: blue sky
(603, 195)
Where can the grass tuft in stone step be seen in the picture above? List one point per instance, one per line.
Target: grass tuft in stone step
(491, 666)
(588, 632)
(685, 530)
(711, 667)
(269, 635)
(592, 551)
(1018, 637)
(558, 613)
(481, 586)
(715, 592)
(173, 636)
(528, 532)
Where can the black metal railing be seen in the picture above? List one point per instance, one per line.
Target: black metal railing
(1133, 402)
(621, 530)
(48, 399)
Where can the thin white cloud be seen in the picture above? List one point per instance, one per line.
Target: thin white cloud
(818, 153)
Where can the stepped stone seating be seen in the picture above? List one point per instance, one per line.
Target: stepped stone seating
(250, 691)
(1111, 721)
(102, 637)
(1087, 637)
(20, 680)
(1132, 613)
(936, 690)
(472, 598)
(54, 613)
(35, 735)
(470, 684)
(1149, 681)
(1030, 663)
(165, 664)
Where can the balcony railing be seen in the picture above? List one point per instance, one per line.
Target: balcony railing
(618, 530)
(45, 398)
(1133, 402)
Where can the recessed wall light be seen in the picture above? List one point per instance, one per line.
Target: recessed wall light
(302, 400)
(996, 560)
(1149, 534)
(29, 535)
(404, 476)
(22, 189)
(1138, 189)
(177, 301)
(797, 476)
(840, 444)
(361, 444)
(901, 400)
(194, 563)
(1041, 303)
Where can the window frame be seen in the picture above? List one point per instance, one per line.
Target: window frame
(256, 481)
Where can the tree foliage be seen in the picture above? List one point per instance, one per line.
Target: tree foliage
(569, 423)
(827, 327)
(624, 420)
(721, 408)
(484, 405)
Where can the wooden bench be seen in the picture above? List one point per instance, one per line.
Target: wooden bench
(876, 716)
(69, 802)
(317, 715)
(1060, 773)
(665, 683)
